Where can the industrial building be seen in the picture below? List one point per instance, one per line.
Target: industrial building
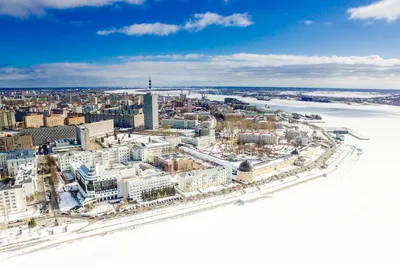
(45, 135)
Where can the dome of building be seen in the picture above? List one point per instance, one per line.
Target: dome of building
(245, 166)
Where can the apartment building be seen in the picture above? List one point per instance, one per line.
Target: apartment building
(33, 121)
(12, 200)
(258, 137)
(7, 119)
(106, 157)
(54, 120)
(15, 141)
(76, 120)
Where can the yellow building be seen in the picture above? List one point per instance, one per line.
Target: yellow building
(33, 121)
(247, 172)
(138, 121)
(53, 121)
(76, 120)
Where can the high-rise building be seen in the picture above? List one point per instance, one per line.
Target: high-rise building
(83, 136)
(150, 109)
(7, 119)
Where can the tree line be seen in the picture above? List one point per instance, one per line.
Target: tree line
(153, 194)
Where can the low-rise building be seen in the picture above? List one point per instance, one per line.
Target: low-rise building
(33, 121)
(176, 162)
(26, 175)
(200, 141)
(126, 182)
(153, 146)
(65, 145)
(16, 158)
(200, 179)
(258, 137)
(144, 178)
(248, 172)
(180, 123)
(15, 141)
(106, 157)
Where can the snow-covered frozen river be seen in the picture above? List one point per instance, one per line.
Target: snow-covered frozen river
(350, 218)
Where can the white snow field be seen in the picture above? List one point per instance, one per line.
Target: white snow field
(350, 218)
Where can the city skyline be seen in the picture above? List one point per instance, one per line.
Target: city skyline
(200, 43)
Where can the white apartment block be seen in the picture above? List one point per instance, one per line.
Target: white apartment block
(259, 137)
(133, 187)
(106, 157)
(12, 200)
(201, 141)
(180, 123)
(197, 180)
(142, 151)
(82, 157)
(101, 128)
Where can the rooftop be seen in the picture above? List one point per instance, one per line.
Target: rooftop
(18, 154)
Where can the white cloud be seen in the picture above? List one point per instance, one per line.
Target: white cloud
(163, 57)
(23, 8)
(308, 22)
(201, 21)
(107, 31)
(150, 29)
(143, 29)
(195, 69)
(198, 23)
(388, 10)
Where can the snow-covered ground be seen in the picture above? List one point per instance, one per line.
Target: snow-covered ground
(344, 94)
(67, 202)
(350, 218)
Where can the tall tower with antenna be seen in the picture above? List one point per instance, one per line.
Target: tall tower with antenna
(150, 109)
(150, 84)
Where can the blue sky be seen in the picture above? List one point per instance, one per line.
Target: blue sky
(311, 43)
